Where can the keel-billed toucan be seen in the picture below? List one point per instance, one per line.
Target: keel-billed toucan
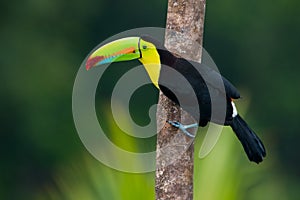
(157, 59)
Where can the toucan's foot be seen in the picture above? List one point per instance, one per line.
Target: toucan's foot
(183, 128)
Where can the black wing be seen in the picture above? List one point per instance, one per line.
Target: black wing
(213, 78)
(202, 82)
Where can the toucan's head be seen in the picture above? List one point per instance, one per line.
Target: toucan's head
(129, 48)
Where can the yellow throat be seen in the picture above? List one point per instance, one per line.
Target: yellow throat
(151, 61)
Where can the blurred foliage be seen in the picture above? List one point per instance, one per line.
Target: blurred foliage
(254, 43)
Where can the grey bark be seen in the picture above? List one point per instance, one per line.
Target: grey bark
(175, 151)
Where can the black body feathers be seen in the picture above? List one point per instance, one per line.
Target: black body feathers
(214, 95)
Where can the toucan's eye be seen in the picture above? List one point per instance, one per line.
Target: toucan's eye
(144, 46)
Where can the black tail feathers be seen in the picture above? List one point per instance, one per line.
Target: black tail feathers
(253, 146)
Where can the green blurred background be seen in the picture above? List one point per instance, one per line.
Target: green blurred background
(43, 42)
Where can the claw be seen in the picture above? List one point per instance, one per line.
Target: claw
(175, 124)
(183, 127)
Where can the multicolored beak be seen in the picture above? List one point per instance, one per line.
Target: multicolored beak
(124, 49)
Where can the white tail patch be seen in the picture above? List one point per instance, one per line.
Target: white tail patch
(234, 110)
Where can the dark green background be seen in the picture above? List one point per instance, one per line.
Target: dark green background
(42, 44)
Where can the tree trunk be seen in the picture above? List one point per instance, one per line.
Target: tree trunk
(175, 151)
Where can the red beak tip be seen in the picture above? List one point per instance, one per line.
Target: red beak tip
(91, 62)
(87, 67)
